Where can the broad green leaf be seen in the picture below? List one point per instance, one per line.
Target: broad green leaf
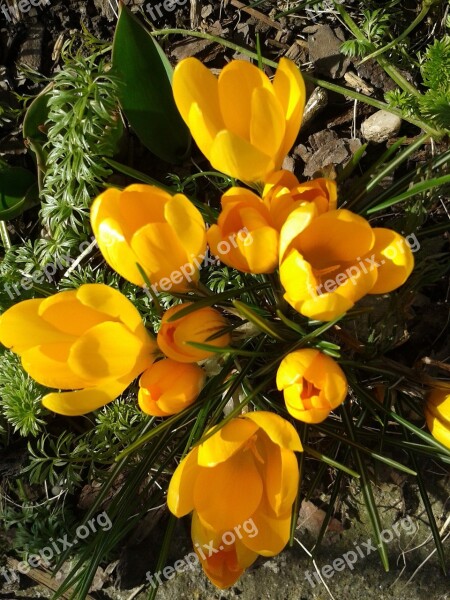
(36, 116)
(145, 91)
(34, 126)
(18, 192)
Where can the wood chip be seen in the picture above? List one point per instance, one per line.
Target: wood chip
(45, 579)
(256, 14)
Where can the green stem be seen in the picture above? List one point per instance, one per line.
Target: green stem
(322, 83)
(420, 17)
(5, 236)
(393, 73)
(435, 133)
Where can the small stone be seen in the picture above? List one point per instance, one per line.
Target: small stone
(381, 126)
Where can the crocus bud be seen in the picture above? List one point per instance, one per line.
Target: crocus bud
(168, 387)
(164, 234)
(313, 384)
(197, 326)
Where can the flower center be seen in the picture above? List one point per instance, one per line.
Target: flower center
(309, 390)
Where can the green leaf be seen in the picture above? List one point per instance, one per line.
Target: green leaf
(145, 91)
(36, 117)
(138, 175)
(257, 320)
(423, 186)
(18, 192)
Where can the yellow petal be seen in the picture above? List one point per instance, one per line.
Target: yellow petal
(280, 431)
(105, 351)
(325, 307)
(295, 407)
(84, 401)
(281, 480)
(167, 387)
(289, 88)
(327, 375)
(107, 226)
(298, 220)
(188, 224)
(65, 312)
(298, 279)
(438, 403)
(150, 244)
(149, 406)
(47, 364)
(21, 327)
(180, 493)
(267, 125)
(140, 204)
(111, 303)
(395, 260)
(226, 442)
(104, 206)
(321, 191)
(294, 366)
(198, 326)
(229, 493)
(238, 81)
(245, 556)
(334, 237)
(202, 535)
(232, 258)
(438, 429)
(202, 129)
(260, 249)
(194, 84)
(280, 179)
(236, 157)
(223, 564)
(360, 279)
(273, 531)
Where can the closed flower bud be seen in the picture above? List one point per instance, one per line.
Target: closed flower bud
(91, 340)
(313, 384)
(242, 122)
(168, 387)
(164, 234)
(437, 414)
(197, 326)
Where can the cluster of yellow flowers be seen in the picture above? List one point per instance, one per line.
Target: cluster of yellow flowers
(93, 340)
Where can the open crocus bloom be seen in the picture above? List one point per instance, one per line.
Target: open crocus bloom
(329, 262)
(245, 471)
(242, 122)
(283, 193)
(168, 387)
(143, 224)
(313, 384)
(91, 340)
(437, 413)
